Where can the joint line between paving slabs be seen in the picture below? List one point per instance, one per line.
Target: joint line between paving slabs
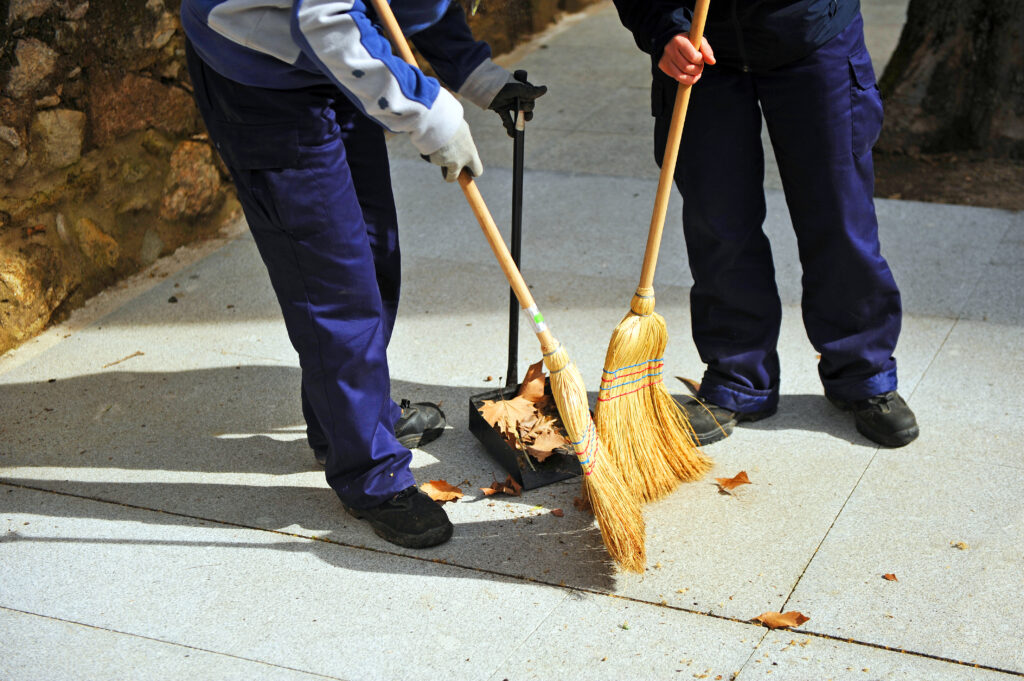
(170, 643)
(828, 531)
(526, 638)
(527, 580)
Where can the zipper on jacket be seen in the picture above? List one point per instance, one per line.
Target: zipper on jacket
(739, 38)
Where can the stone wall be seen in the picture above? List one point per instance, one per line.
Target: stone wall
(104, 164)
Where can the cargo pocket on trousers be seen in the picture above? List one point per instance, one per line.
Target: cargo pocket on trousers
(865, 104)
(256, 147)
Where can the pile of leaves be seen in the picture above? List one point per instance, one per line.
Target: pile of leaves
(529, 421)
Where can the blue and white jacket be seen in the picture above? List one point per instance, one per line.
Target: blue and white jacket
(288, 44)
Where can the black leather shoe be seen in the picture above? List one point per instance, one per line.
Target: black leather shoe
(885, 419)
(420, 423)
(410, 519)
(712, 423)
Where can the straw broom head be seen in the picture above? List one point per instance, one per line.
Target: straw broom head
(617, 510)
(645, 432)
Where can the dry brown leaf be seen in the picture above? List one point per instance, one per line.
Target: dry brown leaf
(890, 576)
(557, 512)
(503, 415)
(509, 487)
(691, 385)
(532, 388)
(441, 491)
(735, 481)
(582, 504)
(779, 620)
(545, 443)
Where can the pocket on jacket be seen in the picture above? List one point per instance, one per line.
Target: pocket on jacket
(865, 104)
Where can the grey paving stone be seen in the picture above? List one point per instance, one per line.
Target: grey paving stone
(273, 598)
(37, 648)
(590, 637)
(791, 656)
(740, 555)
(998, 296)
(967, 402)
(908, 517)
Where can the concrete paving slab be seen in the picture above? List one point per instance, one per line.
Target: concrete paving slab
(999, 296)
(977, 361)
(37, 648)
(952, 532)
(740, 555)
(792, 656)
(266, 597)
(598, 638)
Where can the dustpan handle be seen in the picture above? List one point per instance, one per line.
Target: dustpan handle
(518, 163)
(668, 163)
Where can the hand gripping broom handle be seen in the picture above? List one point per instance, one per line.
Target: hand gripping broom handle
(668, 163)
(476, 202)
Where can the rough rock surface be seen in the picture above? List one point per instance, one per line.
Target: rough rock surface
(104, 165)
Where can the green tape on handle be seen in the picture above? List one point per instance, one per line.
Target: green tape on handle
(536, 319)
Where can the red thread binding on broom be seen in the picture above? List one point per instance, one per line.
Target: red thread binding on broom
(589, 438)
(646, 385)
(632, 373)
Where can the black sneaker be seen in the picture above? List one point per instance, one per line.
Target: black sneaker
(885, 419)
(410, 519)
(419, 424)
(712, 423)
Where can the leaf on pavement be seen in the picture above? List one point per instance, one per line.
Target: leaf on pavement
(532, 388)
(509, 487)
(779, 620)
(557, 512)
(582, 504)
(440, 491)
(728, 484)
(890, 576)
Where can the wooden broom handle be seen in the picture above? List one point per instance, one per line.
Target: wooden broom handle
(668, 163)
(472, 193)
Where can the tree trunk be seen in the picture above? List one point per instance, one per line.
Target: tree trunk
(956, 79)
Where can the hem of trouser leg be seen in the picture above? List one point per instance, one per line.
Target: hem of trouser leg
(402, 480)
(739, 398)
(861, 388)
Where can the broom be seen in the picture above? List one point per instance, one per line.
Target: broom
(617, 511)
(646, 433)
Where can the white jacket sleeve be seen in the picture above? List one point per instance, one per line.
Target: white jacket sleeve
(338, 37)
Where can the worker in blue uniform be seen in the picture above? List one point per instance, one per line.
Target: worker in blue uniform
(802, 64)
(296, 97)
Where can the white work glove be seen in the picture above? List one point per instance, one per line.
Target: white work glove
(458, 153)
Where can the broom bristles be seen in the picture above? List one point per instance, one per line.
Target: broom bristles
(616, 509)
(645, 432)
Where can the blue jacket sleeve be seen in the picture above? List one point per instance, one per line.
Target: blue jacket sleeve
(461, 62)
(653, 22)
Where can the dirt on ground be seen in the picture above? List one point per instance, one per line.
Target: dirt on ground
(950, 178)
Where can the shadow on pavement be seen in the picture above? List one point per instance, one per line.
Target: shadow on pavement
(227, 445)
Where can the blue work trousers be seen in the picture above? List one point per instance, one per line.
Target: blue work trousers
(312, 176)
(824, 114)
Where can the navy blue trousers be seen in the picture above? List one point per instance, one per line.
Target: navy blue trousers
(824, 114)
(313, 179)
